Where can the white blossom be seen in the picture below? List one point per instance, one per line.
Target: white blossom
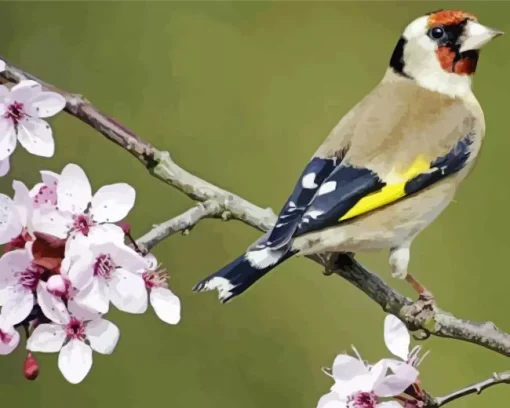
(22, 110)
(358, 385)
(113, 268)
(82, 216)
(165, 303)
(74, 334)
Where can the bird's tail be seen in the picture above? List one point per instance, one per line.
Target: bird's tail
(234, 278)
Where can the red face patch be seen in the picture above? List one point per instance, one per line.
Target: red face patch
(449, 17)
(463, 66)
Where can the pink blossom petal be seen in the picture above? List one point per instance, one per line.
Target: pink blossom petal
(360, 383)
(4, 94)
(52, 222)
(36, 136)
(389, 404)
(7, 138)
(11, 263)
(18, 307)
(396, 337)
(73, 190)
(10, 223)
(45, 104)
(52, 306)
(49, 178)
(113, 202)
(22, 201)
(126, 257)
(166, 305)
(394, 384)
(75, 361)
(80, 272)
(5, 166)
(82, 313)
(10, 339)
(101, 233)
(127, 291)
(96, 297)
(346, 367)
(47, 338)
(331, 400)
(24, 90)
(102, 335)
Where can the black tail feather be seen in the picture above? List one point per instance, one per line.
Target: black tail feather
(234, 278)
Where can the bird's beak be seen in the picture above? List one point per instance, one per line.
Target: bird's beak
(477, 35)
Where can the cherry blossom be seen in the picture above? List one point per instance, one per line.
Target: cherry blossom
(166, 305)
(82, 216)
(113, 268)
(398, 340)
(22, 110)
(19, 280)
(74, 334)
(358, 385)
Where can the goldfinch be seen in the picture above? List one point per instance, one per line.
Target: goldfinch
(390, 166)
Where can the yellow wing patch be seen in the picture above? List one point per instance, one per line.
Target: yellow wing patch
(388, 193)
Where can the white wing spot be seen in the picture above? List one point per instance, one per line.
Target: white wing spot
(308, 181)
(327, 188)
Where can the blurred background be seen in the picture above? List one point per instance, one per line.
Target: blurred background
(241, 93)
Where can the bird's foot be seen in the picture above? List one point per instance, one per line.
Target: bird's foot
(422, 311)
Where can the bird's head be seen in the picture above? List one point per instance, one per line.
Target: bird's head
(440, 50)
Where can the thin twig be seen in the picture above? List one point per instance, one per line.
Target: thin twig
(497, 378)
(160, 165)
(183, 222)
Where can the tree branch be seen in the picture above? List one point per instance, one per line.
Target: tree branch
(184, 222)
(501, 378)
(218, 201)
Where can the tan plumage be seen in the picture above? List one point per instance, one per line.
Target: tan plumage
(390, 166)
(398, 121)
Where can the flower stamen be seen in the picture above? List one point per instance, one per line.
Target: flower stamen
(75, 329)
(104, 266)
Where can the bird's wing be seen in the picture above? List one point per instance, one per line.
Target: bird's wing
(317, 170)
(352, 191)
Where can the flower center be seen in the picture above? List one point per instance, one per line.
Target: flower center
(75, 329)
(15, 112)
(155, 279)
(5, 337)
(362, 400)
(30, 277)
(104, 266)
(82, 223)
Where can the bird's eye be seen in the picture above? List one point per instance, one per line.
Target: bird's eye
(436, 33)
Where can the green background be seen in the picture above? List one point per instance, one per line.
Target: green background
(241, 94)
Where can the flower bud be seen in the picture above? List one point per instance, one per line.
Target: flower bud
(57, 285)
(30, 367)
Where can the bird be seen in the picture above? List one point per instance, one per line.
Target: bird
(390, 166)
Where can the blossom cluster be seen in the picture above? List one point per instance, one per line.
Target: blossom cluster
(389, 383)
(66, 259)
(23, 109)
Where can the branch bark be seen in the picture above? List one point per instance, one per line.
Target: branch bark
(218, 202)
